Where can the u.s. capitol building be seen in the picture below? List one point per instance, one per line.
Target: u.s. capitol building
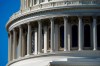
(55, 33)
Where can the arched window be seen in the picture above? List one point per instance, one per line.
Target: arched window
(35, 2)
(26, 44)
(74, 36)
(17, 48)
(98, 35)
(42, 1)
(62, 36)
(49, 31)
(42, 39)
(49, 0)
(87, 41)
(33, 43)
(28, 3)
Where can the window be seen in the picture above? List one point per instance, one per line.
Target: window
(35, 2)
(87, 42)
(74, 36)
(98, 35)
(62, 36)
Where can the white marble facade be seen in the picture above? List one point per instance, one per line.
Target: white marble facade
(55, 33)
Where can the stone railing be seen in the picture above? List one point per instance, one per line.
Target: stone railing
(53, 4)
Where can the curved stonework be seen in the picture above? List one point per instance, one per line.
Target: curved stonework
(55, 33)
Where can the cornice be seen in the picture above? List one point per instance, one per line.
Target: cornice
(54, 5)
(50, 11)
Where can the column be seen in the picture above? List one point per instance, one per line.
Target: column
(38, 1)
(35, 2)
(39, 37)
(29, 40)
(46, 0)
(94, 34)
(36, 42)
(23, 44)
(56, 37)
(65, 34)
(31, 3)
(14, 43)
(21, 5)
(20, 41)
(80, 42)
(52, 34)
(27, 3)
(69, 36)
(45, 38)
(10, 46)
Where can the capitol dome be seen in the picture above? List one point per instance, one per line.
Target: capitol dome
(55, 33)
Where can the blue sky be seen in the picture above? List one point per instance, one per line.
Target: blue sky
(7, 8)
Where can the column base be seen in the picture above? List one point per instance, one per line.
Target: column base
(80, 50)
(94, 49)
(27, 55)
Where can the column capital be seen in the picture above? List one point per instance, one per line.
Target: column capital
(20, 26)
(52, 18)
(65, 17)
(39, 21)
(9, 32)
(94, 17)
(14, 29)
(80, 17)
(29, 23)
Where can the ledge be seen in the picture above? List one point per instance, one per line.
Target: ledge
(85, 53)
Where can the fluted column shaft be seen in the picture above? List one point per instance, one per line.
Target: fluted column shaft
(39, 37)
(20, 41)
(14, 43)
(22, 4)
(38, 1)
(65, 34)
(27, 3)
(29, 40)
(45, 39)
(46, 0)
(80, 30)
(10, 47)
(94, 34)
(31, 3)
(23, 44)
(56, 38)
(36, 42)
(52, 34)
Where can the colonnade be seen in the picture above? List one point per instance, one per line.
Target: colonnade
(28, 3)
(17, 40)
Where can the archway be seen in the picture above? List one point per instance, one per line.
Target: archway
(98, 35)
(62, 36)
(87, 40)
(74, 36)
